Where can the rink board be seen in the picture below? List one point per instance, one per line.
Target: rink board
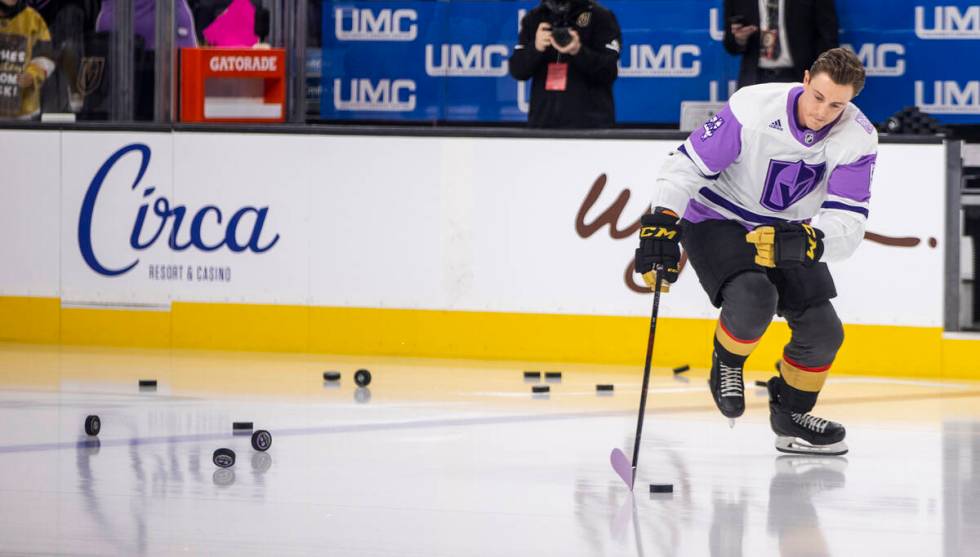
(429, 246)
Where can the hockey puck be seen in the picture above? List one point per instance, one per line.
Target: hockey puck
(552, 375)
(762, 384)
(603, 387)
(148, 382)
(223, 458)
(261, 440)
(532, 375)
(661, 488)
(331, 376)
(240, 426)
(93, 425)
(540, 389)
(682, 369)
(362, 377)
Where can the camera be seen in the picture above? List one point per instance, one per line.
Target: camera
(560, 28)
(561, 35)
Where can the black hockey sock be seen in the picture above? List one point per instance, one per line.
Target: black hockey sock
(793, 400)
(728, 358)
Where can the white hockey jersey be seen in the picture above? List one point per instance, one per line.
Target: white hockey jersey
(753, 163)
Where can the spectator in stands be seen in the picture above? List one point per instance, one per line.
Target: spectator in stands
(25, 59)
(778, 39)
(232, 22)
(144, 29)
(569, 50)
(68, 21)
(144, 22)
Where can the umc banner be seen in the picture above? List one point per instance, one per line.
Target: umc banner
(447, 61)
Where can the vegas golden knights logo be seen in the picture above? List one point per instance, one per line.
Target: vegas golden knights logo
(584, 19)
(90, 74)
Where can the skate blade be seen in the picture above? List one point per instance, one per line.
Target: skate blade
(795, 445)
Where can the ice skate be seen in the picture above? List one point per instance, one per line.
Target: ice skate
(802, 432)
(727, 387)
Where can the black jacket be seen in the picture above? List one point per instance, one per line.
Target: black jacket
(587, 101)
(811, 28)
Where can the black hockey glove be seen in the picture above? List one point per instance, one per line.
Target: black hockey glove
(786, 244)
(660, 237)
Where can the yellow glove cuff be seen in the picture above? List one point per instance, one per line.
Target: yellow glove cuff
(650, 277)
(764, 240)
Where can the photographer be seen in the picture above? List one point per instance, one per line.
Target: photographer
(569, 50)
(778, 39)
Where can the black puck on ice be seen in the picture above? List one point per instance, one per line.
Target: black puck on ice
(552, 375)
(362, 377)
(603, 387)
(148, 382)
(532, 375)
(242, 426)
(682, 369)
(661, 488)
(223, 458)
(261, 440)
(93, 425)
(541, 389)
(331, 376)
(761, 384)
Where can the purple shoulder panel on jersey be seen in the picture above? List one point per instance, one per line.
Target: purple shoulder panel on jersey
(719, 141)
(853, 181)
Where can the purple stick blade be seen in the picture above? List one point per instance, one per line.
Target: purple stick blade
(622, 466)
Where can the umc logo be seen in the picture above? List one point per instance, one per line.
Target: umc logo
(353, 24)
(948, 22)
(883, 60)
(387, 95)
(715, 29)
(667, 61)
(949, 98)
(456, 60)
(148, 227)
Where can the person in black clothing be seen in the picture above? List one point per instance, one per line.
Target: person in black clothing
(778, 39)
(69, 21)
(569, 50)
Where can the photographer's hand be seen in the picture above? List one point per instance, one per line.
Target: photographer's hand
(743, 32)
(573, 47)
(542, 39)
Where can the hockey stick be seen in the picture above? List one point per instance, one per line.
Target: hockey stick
(617, 458)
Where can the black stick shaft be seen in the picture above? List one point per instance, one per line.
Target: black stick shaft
(646, 372)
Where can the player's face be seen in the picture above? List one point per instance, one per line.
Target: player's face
(822, 100)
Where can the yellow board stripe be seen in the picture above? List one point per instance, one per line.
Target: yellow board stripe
(868, 349)
(24, 319)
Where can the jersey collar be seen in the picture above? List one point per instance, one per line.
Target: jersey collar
(806, 136)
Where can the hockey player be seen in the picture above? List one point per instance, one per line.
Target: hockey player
(774, 185)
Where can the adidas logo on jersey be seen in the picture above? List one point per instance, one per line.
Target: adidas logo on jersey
(776, 125)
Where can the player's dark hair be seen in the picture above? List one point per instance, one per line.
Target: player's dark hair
(843, 67)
